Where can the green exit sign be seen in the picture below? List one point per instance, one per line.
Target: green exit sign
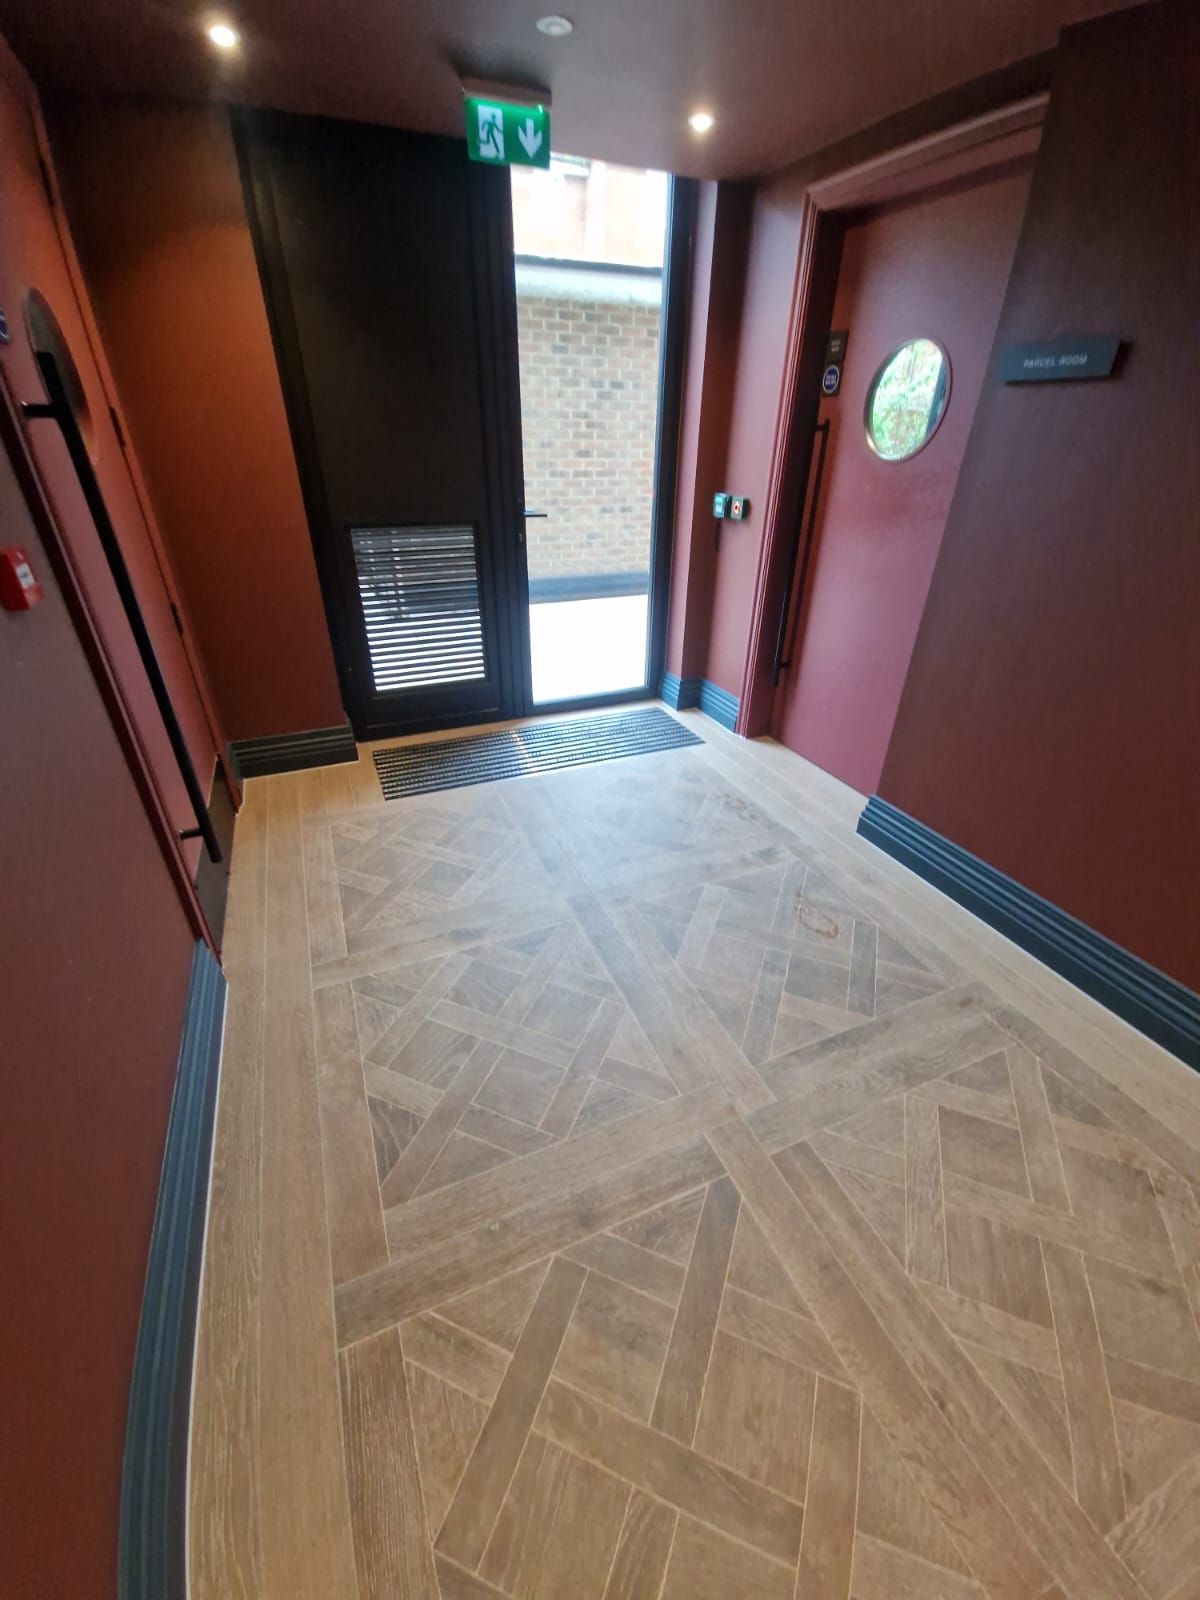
(505, 135)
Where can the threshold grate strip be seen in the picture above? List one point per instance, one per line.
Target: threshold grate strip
(413, 769)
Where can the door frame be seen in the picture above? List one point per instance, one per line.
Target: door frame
(1010, 133)
(97, 357)
(500, 396)
(493, 293)
(259, 201)
(680, 230)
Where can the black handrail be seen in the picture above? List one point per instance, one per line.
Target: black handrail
(783, 658)
(58, 409)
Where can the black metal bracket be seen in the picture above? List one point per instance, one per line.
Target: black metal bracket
(58, 409)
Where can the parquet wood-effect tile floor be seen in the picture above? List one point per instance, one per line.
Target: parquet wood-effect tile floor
(620, 1195)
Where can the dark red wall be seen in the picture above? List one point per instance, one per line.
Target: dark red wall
(740, 457)
(771, 248)
(1050, 722)
(714, 317)
(35, 255)
(934, 267)
(94, 956)
(156, 209)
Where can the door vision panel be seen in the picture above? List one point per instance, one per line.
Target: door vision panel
(387, 264)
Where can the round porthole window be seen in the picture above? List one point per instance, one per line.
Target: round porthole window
(47, 339)
(907, 399)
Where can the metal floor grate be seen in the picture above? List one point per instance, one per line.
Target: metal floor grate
(516, 752)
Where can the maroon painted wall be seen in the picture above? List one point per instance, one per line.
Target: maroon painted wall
(772, 247)
(934, 267)
(35, 255)
(740, 455)
(714, 317)
(156, 209)
(94, 957)
(688, 569)
(1050, 722)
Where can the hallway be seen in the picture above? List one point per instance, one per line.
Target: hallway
(630, 1183)
(762, 1167)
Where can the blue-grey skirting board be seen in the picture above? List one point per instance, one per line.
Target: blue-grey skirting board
(151, 1554)
(1139, 993)
(411, 769)
(685, 693)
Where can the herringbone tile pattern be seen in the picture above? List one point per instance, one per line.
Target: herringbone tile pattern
(695, 1233)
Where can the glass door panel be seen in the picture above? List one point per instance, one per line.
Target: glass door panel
(589, 240)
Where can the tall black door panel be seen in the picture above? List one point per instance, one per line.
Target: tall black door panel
(387, 264)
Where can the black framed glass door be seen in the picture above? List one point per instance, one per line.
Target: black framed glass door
(601, 254)
(386, 261)
(393, 294)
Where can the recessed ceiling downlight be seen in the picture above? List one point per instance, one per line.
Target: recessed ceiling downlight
(701, 121)
(223, 36)
(555, 27)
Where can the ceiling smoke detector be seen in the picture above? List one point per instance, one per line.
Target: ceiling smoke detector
(555, 27)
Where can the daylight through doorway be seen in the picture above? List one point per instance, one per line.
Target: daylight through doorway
(589, 240)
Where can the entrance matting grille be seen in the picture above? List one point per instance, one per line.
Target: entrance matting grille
(515, 752)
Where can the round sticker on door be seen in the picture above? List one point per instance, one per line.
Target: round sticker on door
(831, 379)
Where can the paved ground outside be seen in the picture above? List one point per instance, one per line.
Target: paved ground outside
(584, 647)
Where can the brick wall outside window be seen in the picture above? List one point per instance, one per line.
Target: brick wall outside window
(589, 391)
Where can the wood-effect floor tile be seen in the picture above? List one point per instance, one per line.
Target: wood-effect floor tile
(498, 1310)
(426, 1144)
(681, 1386)
(1049, 1518)
(553, 1171)
(706, 1566)
(667, 1230)
(658, 1464)
(461, 1157)
(468, 1362)
(446, 1424)
(757, 1415)
(629, 1264)
(1161, 1538)
(831, 1506)
(1089, 1405)
(558, 1528)
(307, 1546)
(798, 1339)
(464, 1533)
(882, 1572)
(415, 1283)
(615, 1345)
(391, 1536)
(629, 1185)
(647, 1536)
(943, 1468)
(925, 1213)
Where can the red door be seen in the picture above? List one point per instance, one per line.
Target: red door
(933, 268)
(33, 260)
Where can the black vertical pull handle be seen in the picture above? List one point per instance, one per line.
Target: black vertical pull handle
(58, 409)
(791, 603)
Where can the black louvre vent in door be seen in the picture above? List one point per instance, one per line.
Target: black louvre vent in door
(419, 589)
